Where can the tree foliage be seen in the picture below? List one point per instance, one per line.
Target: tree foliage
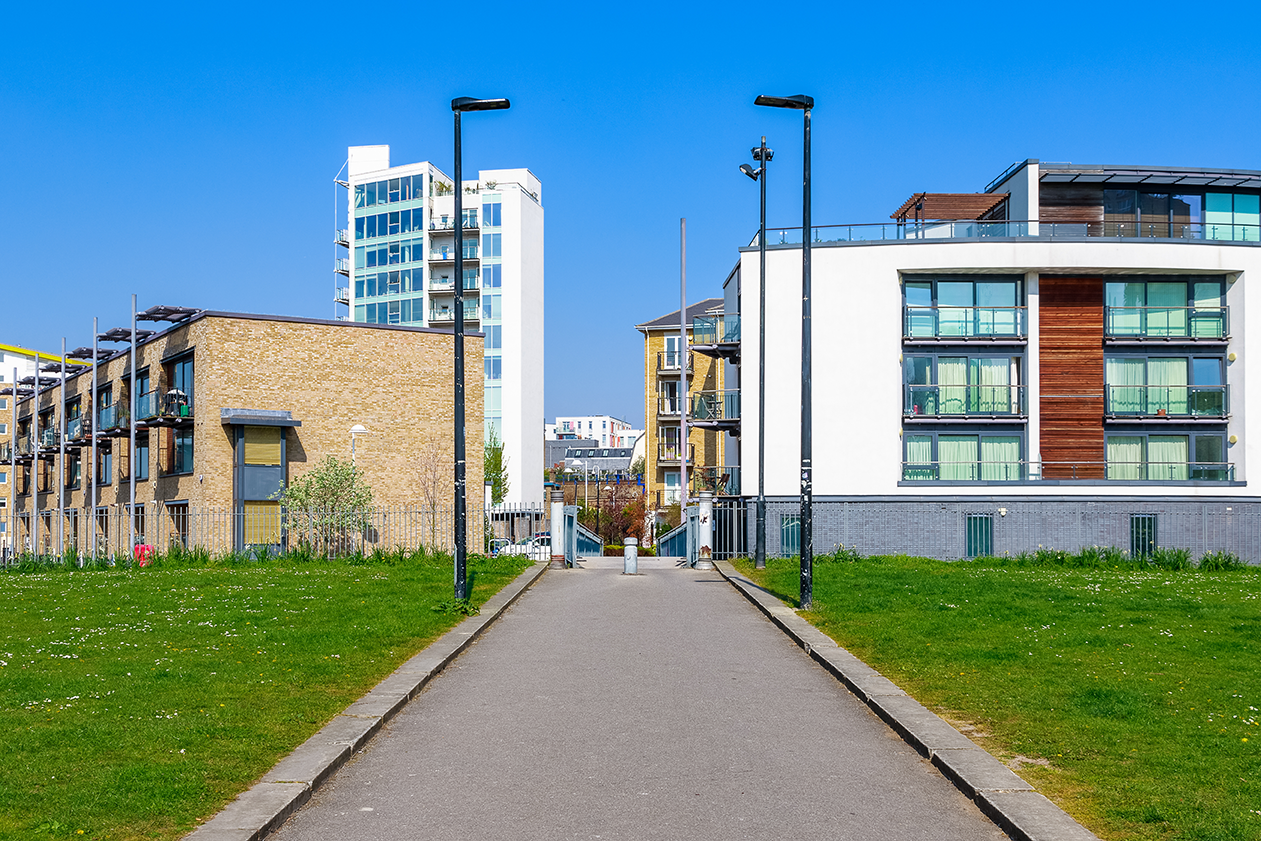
(327, 503)
(495, 467)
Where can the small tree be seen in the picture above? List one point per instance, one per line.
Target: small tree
(328, 502)
(637, 467)
(495, 467)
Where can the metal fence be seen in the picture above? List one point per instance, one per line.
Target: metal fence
(106, 533)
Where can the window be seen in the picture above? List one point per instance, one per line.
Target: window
(1136, 456)
(1161, 386)
(1142, 535)
(182, 462)
(789, 535)
(492, 306)
(994, 457)
(979, 535)
(494, 367)
(492, 245)
(4, 401)
(491, 214)
(73, 470)
(962, 385)
(262, 523)
(963, 308)
(1232, 217)
(182, 378)
(4, 429)
(142, 457)
(4, 477)
(492, 276)
(104, 466)
(1166, 308)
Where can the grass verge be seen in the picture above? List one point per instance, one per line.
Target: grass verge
(1129, 695)
(135, 701)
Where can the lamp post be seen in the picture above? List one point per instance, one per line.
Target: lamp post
(804, 103)
(584, 481)
(764, 156)
(460, 105)
(357, 429)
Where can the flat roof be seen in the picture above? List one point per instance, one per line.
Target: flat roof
(1118, 174)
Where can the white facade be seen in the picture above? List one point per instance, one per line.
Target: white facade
(861, 417)
(400, 269)
(608, 430)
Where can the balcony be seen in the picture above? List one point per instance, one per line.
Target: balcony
(963, 402)
(445, 223)
(972, 229)
(1167, 402)
(341, 295)
(147, 406)
(342, 266)
(964, 324)
(1166, 324)
(1083, 471)
(49, 439)
(721, 481)
(670, 361)
(715, 410)
(717, 336)
(445, 285)
(6, 452)
(341, 236)
(446, 315)
(668, 452)
(112, 421)
(446, 254)
(78, 431)
(668, 408)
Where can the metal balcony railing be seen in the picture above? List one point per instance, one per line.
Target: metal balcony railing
(176, 404)
(670, 361)
(1165, 323)
(936, 231)
(6, 452)
(936, 401)
(447, 314)
(716, 329)
(1032, 471)
(964, 322)
(446, 284)
(446, 253)
(721, 481)
(668, 407)
(1174, 401)
(669, 451)
(715, 406)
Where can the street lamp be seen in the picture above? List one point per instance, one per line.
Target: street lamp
(584, 482)
(357, 429)
(459, 105)
(803, 103)
(764, 155)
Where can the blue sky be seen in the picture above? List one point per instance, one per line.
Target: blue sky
(187, 154)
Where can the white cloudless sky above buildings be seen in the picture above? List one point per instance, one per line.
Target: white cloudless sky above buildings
(187, 154)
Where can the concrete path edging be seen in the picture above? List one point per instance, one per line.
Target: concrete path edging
(999, 793)
(265, 806)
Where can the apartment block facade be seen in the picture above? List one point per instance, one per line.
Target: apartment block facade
(1065, 348)
(400, 269)
(230, 407)
(605, 430)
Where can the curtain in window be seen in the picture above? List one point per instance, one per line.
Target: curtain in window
(1167, 457)
(991, 393)
(1125, 457)
(1000, 458)
(958, 456)
(1167, 386)
(919, 458)
(1166, 309)
(952, 377)
(1125, 379)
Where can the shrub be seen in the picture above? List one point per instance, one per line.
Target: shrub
(1220, 561)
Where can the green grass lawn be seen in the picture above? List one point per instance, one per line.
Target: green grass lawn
(1134, 693)
(133, 702)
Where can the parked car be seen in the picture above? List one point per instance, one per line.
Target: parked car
(497, 545)
(535, 548)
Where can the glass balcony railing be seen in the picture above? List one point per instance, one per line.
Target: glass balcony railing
(442, 253)
(1167, 322)
(6, 452)
(111, 417)
(446, 284)
(49, 438)
(964, 322)
(979, 229)
(147, 405)
(716, 406)
(341, 236)
(1175, 401)
(24, 447)
(716, 329)
(342, 266)
(935, 401)
(669, 451)
(1027, 471)
(721, 481)
(447, 314)
(77, 429)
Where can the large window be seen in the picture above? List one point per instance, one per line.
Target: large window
(1166, 308)
(1182, 215)
(182, 379)
(951, 307)
(1168, 457)
(936, 385)
(182, 462)
(404, 188)
(948, 456)
(491, 214)
(1234, 217)
(142, 457)
(1192, 386)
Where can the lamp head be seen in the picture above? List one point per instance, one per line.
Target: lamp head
(468, 103)
(750, 171)
(358, 429)
(757, 154)
(801, 102)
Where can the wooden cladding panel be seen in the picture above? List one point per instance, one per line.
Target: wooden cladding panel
(1070, 341)
(1070, 203)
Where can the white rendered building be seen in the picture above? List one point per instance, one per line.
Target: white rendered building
(608, 430)
(400, 270)
(1060, 360)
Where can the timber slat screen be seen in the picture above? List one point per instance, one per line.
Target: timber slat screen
(1070, 338)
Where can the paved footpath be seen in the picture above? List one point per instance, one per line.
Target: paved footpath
(662, 705)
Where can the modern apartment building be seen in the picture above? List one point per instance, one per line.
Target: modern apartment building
(399, 268)
(229, 408)
(1057, 360)
(672, 382)
(606, 430)
(16, 364)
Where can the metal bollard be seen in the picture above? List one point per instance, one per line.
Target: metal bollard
(630, 556)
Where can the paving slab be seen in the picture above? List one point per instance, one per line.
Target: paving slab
(653, 706)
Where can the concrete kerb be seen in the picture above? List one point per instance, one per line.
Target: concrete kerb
(265, 806)
(999, 793)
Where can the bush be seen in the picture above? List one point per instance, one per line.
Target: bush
(1220, 562)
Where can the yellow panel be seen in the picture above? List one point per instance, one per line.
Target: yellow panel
(262, 444)
(262, 523)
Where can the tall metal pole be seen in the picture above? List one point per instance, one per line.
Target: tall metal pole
(683, 383)
(759, 555)
(34, 530)
(461, 584)
(92, 418)
(807, 446)
(131, 447)
(61, 458)
(13, 467)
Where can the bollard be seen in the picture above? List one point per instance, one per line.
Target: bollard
(630, 557)
(557, 560)
(705, 521)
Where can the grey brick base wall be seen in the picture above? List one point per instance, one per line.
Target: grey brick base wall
(939, 529)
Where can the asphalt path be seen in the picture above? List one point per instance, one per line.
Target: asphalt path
(660, 705)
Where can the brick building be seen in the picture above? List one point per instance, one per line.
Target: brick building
(229, 408)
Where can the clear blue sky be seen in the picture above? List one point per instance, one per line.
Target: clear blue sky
(187, 154)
